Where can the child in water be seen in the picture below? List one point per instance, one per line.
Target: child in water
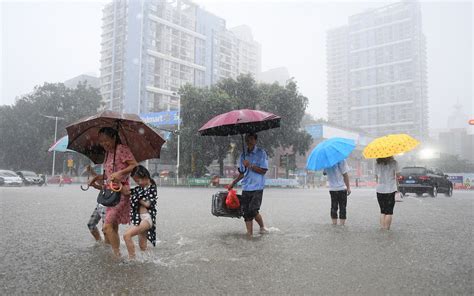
(143, 211)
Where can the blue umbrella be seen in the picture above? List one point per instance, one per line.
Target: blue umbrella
(60, 145)
(329, 152)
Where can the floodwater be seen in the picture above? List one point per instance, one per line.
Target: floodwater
(47, 249)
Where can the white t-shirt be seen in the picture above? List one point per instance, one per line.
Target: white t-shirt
(387, 182)
(335, 176)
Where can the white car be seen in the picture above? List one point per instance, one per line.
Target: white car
(10, 178)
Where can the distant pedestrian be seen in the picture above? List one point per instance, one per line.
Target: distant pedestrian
(253, 167)
(339, 189)
(43, 180)
(386, 173)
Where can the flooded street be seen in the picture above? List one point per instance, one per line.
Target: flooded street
(47, 248)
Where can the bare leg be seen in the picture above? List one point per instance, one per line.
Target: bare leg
(259, 220)
(142, 241)
(342, 221)
(334, 221)
(106, 239)
(249, 226)
(382, 221)
(388, 221)
(111, 232)
(96, 234)
(130, 233)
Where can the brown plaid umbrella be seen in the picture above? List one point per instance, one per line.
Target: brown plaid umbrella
(142, 140)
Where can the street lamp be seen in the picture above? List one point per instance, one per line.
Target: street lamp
(56, 118)
(178, 132)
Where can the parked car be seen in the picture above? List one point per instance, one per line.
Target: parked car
(10, 178)
(421, 180)
(30, 178)
(55, 180)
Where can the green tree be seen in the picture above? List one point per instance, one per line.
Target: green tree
(26, 134)
(451, 164)
(198, 105)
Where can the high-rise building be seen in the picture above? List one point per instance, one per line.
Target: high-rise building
(279, 75)
(377, 72)
(150, 48)
(90, 80)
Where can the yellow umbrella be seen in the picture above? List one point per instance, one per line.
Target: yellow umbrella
(389, 146)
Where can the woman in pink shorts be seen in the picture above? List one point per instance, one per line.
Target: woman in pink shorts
(124, 164)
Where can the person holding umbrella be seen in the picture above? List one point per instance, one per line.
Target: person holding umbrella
(339, 190)
(118, 172)
(330, 156)
(386, 170)
(119, 141)
(252, 170)
(386, 173)
(253, 163)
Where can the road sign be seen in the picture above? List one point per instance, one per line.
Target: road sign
(161, 118)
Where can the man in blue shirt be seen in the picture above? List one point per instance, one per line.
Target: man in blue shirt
(252, 169)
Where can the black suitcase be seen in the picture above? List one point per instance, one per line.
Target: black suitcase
(219, 208)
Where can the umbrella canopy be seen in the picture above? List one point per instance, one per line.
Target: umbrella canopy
(60, 145)
(143, 141)
(389, 146)
(240, 122)
(329, 152)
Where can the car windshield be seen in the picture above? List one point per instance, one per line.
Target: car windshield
(413, 171)
(29, 174)
(7, 174)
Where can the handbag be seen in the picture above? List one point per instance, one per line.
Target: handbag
(398, 196)
(109, 197)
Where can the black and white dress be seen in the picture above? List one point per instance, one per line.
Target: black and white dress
(146, 194)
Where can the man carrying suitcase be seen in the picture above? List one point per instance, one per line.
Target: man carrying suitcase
(252, 168)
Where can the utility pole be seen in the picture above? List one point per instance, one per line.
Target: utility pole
(56, 118)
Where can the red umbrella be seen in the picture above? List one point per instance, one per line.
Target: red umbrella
(143, 141)
(241, 122)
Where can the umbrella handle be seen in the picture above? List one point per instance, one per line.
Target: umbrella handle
(85, 188)
(111, 185)
(243, 152)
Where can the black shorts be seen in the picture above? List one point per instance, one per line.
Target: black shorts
(338, 202)
(386, 202)
(250, 203)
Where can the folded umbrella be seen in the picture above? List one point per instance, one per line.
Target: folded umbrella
(329, 152)
(60, 145)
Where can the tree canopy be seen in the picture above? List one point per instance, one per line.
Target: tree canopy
(26, 134)
(198, 105)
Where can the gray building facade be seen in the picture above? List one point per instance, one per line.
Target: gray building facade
(377, 72)
(150, 48)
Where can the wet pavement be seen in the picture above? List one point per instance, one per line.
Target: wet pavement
(47, 249)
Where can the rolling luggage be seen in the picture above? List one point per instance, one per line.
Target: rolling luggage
(219, 208)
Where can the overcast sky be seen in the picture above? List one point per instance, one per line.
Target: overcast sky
(56, 40)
